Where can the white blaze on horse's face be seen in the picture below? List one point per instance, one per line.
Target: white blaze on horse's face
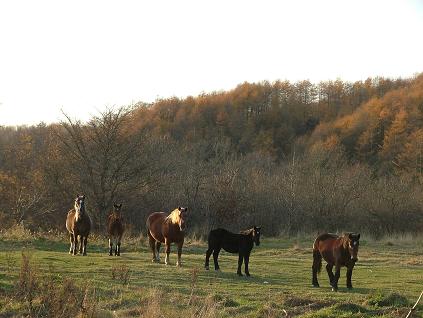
(117, 208)
(256, 234)
(79, 206)
(353, 244)
(182, 217)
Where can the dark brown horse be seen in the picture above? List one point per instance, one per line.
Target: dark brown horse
(241, 243)
(78, 224)
(115, 229)
(337, 251)
(167, 229)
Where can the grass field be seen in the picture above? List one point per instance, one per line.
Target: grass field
(387, 281)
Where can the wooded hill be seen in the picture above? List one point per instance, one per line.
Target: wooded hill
(290, 156)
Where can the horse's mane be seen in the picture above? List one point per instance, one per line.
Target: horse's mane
(114, 215)
(345, 238)
(173, 216)
(326, 236)
(247, 232)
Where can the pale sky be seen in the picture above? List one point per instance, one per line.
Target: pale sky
(83, 56)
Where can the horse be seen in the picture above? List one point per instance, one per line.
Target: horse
(115, 229)
(167, 229)
(241, 243)
(78, 223)
(337, 251)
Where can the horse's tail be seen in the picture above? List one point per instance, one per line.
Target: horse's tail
(317, 260)
(147, 225)
(317, 257)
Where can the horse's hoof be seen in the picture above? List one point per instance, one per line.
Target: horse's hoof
(334, 289)
(239, 274)
(207, 268)
(316, 285)
(247, 274)
(349, 287)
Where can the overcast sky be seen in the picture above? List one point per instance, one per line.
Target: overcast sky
(81, 56)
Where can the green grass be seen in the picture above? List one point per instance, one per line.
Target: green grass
(387, 280)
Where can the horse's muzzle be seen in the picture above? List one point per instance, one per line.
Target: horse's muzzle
(354, 259)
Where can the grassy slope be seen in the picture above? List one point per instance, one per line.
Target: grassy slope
(280, 284)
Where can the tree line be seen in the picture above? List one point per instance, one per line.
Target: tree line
(292, 157)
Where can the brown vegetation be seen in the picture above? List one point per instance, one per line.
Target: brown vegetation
(291, 152)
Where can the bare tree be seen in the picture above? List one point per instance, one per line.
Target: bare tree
(107, 156)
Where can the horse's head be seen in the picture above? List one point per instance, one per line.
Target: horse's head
(353, 241)
(79, 206)
(182, 216)
(256, 235)
(117, 210)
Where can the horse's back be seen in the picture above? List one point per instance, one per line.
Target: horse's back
(155, 217)
(154, 225)
(326, 244)
(324, 239)
(221, 238)
(70, 220)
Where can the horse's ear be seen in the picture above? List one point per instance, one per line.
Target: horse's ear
(83, 196)
(120, 205)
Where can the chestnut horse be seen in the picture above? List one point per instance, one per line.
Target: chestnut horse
(115, 229)
(78, 223)
(337, 251)
(167, 229)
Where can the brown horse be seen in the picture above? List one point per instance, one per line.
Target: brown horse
(337, 251)
(78, 223)
(163, 228)
(115, 229)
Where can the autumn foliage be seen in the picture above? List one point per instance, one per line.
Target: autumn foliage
(290, 156)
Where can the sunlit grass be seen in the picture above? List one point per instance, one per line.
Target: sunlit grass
(280, 284)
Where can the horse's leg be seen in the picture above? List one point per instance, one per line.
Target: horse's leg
(215, 257)
(329, 268)
(152, 243)
(158, 244)
(81, 245)
(240, 259)
(167, 251)
(75, 243)
(179, 262)
(336, 277)
(110, 246)
(71, 244)
(85, 240)
(246, 261)
(317, 265)
(118, 245)
(349, 275)
(208, 253)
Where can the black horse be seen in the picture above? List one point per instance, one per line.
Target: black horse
(241, 243)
